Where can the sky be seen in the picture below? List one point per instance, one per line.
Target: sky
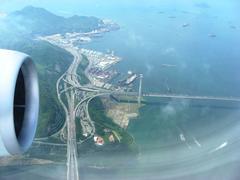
(107, 7)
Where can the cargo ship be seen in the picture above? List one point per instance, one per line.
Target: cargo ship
(129, 79)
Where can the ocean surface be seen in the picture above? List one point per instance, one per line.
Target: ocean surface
(182, 139)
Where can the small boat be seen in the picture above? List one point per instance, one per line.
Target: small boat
(185, 25)
(212, 35)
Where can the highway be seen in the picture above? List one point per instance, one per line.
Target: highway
(71, 86)
(75, 98)
(70, 95)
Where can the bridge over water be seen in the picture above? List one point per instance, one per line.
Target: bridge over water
(140, 94)
(175, 96)
(179, 96)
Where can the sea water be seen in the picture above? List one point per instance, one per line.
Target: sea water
(182, 138)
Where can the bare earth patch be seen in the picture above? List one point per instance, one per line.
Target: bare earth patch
(121, 113)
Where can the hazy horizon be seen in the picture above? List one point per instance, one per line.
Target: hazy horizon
(107, 8)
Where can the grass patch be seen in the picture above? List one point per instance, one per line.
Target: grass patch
(98, 115)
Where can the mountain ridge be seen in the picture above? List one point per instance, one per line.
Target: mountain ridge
(39, 21)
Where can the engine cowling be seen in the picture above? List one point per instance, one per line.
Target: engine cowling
(19, 102)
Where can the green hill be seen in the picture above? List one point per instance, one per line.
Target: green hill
(51, 62)
(17, 32)
(38, 21)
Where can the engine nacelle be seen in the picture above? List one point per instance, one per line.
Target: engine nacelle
(19, 102)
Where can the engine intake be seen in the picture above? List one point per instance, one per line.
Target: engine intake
(19, 102)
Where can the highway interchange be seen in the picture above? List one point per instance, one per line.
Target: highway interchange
(74, 97)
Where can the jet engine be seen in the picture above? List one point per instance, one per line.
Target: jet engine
(19, 102)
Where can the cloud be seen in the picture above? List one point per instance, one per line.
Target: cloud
(3, 15)
(169, 110)
(172, 108)
(3, 26)
(134, 40)
(149, 70)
